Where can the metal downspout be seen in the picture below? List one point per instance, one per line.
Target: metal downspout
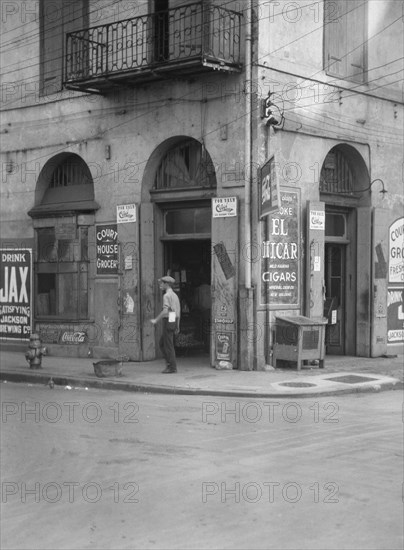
(248, 145)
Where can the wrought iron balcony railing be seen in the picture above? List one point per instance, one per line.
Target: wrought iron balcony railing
(181, 41)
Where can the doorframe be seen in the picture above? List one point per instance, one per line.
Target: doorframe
(160, 238)
(349, 242)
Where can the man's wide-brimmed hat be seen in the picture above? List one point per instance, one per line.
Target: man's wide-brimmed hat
(167, 279)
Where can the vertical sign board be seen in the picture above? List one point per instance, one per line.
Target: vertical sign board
(395, 291)
(269, 188)
(107, 249)
(15, 293)
(128, 235)
(224, 282)
(280, 253)
(315, 233)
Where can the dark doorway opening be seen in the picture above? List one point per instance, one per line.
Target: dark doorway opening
(189, 262)
(335, 283)
(161, 31)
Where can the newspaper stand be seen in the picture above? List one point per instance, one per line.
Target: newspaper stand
(299, 339)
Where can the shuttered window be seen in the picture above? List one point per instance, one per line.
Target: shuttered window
(57, 18)
(345, 35)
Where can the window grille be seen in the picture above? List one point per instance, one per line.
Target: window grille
(336, 176)
(187, 165)
(72, 171)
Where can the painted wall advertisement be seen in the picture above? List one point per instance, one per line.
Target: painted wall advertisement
(280, 253)
(15, 293)
(107, 249)
(50, 334)
(395, 291)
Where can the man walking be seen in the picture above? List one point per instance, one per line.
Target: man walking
(170, 314)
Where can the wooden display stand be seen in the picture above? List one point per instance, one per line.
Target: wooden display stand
(299, 339)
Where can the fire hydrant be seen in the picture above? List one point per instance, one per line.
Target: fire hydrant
(35, 352)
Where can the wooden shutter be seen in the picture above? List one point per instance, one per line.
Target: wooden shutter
(335, 37)
(355, 55)
(345, 35)
(51, 50)
(57, 18)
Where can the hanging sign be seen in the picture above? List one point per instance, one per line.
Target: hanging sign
(107, 249)
(396, 251)
(280, 253)
(15, 293)
(224, 207)
(269, 188)
(126, 213)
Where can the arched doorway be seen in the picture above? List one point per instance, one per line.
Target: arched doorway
(178, 185)
(347, 231)
(63, 219)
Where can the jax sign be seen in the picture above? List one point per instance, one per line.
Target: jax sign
(15, 293)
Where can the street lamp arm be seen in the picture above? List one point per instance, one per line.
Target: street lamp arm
(383, 190)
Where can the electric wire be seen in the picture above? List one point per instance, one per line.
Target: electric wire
(126, 122)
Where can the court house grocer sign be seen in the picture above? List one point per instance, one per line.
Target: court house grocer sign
(396, 251)
(280, 255)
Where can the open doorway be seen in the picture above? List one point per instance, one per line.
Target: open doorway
(335, 283)
(189, 262)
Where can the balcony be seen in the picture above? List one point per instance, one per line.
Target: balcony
(177, 43)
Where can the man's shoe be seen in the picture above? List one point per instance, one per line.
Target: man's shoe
(168, 371)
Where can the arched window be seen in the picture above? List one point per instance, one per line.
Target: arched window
(336, 175)
(187, 165)
(62, 238)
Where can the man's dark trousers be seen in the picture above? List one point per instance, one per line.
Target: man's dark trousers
(167, 347)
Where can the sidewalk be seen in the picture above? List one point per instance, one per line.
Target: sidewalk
(195, 376)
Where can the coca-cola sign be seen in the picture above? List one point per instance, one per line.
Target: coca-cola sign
(74, 337)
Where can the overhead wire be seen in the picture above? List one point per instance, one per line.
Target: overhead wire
(177, 99)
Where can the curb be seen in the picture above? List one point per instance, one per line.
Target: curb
(42, 378)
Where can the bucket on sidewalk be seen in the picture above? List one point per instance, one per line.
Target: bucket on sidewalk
(105, 368)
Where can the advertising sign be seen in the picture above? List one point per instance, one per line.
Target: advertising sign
(107, 249)
(62, 335)
(395, 315)
(72, 337)
(269, 188)
(317, 219)
(224, 207)
(15, 293)
(224, 346)
(396, 251)
(228, 268)
(126, 213)
(280, 253)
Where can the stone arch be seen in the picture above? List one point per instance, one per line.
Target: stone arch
(157, 157)
(356, 165)
(75, 192)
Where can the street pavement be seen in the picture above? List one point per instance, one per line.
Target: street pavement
(92, 469)
(340, 375)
